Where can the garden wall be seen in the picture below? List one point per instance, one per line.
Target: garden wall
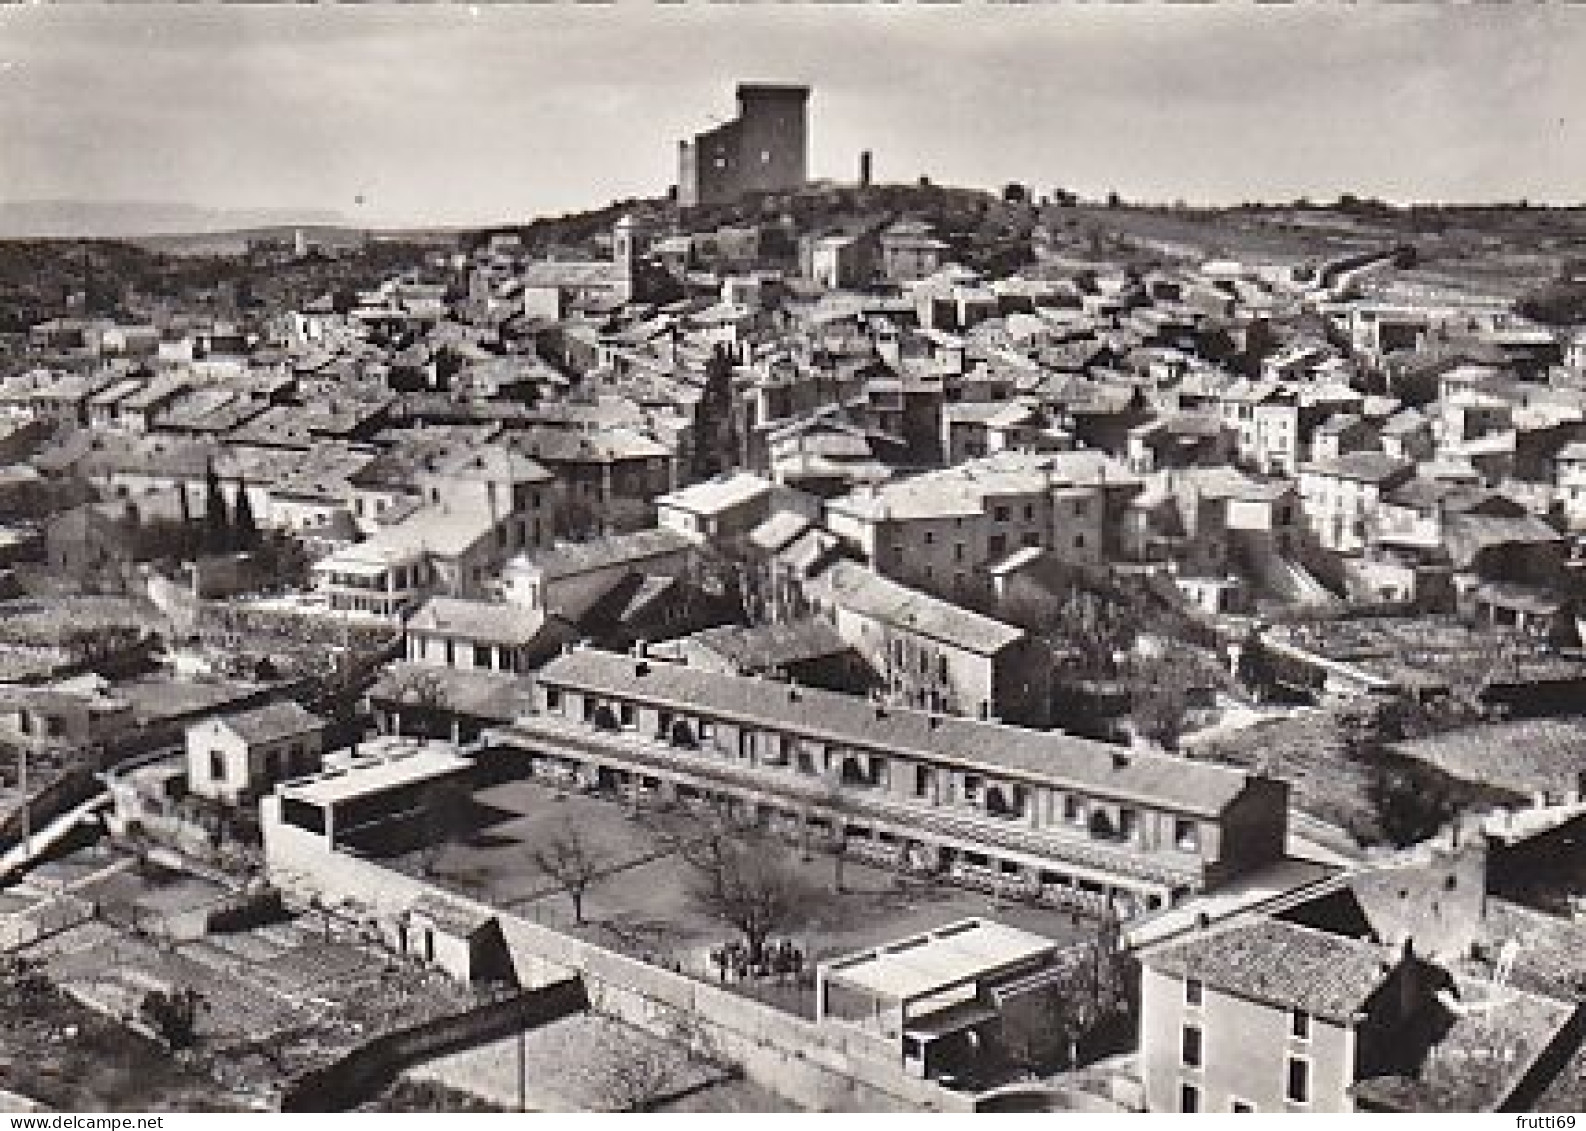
(362, 1073)
(819, 1067)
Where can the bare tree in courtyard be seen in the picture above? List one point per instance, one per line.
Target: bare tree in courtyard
(750, 883)
(572, 863)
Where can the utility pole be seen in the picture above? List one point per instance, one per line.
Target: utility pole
(523, 1070)
(27, 803)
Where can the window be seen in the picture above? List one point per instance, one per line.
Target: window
(1194, 991)
(1241, 1107)
(553, 698)
(1186, 835)
(627, 715)
(1299, 1082)
(217, 766)
(958, 552)
(1073, 812)
(930, 538)
(1029, 512)
(481, 655)
(1190, 1047)
(1000, 514)
(1300, 1025)
(1189, 1098)
(997, 545)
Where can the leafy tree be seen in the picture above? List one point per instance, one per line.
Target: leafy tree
(424, 689)
(95, 646)
(1558, 303)
(24, 982)
(174, 1015)
(1056, 1026)
(717, 447)
(282, 561)
(569, 860)
(1015, 193)
(1159, 701)
(1407, 810)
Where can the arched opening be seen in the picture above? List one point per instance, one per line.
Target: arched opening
(605, 718)
(853, 773)
(683, 735)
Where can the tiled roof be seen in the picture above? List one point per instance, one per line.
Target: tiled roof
(1281, 964)
(569, 445)
(860, 590)
(1366, 467)
(1174, 784)
(715, 496)
(966, 489)
(271, 722)
(778, 531)
(1467, 535)
(485, 621)
(769, 646)
(634, 549)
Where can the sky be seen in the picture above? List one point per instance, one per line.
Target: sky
(456, 115)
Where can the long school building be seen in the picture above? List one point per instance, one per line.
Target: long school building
(1035, 814)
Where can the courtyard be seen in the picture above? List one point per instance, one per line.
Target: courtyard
(643, 899)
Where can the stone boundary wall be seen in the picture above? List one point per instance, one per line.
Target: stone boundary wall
(360, 1074)
(819, 1067)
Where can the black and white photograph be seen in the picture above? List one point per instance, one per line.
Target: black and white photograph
(700, 558)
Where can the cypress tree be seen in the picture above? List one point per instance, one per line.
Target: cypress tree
(187, 539)
(244, 528)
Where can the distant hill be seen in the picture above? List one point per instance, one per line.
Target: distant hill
(79, 219)
(235, 241)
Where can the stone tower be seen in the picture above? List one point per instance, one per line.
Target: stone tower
(763, 149)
